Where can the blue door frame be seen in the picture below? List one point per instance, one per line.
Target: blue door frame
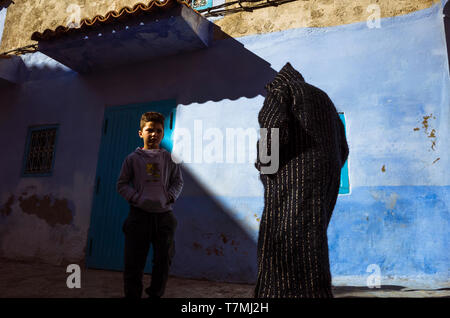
(120, 137)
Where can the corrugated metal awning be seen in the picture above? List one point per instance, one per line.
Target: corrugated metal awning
(126, 36)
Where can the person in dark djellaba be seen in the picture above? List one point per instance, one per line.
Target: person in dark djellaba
(300, 196)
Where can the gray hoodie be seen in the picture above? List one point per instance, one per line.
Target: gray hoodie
(156, 180)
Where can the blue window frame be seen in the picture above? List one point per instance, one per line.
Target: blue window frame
(39, 154)
(201, 4)
(344, 187)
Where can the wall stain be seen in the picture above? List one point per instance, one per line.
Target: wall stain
(317, 13)
(425, 122)
(416, 129)
(389, 201)
(432, 133)
(357, 10)
(56, 212)
(383, 168)
(214, 250)
(436, 161)
(392, 201)
(197, 246)
(224, 238)
(433, 145)
(6, 209)
(235, 244)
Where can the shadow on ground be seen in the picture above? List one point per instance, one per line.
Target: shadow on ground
(26, 279)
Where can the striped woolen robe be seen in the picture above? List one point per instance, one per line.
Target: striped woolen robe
(300, 197)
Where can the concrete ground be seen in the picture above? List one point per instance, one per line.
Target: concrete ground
(36, 280)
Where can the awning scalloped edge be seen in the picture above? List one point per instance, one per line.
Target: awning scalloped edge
(110, 17)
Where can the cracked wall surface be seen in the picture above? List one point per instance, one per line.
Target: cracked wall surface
(27, 16)
(315, 13)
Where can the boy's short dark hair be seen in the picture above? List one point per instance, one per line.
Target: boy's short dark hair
(152, 116)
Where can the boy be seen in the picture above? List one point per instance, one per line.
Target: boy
(156, 184)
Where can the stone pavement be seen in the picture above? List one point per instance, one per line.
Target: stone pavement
(36, 280)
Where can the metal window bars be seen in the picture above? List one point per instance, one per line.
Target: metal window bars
(40, 151)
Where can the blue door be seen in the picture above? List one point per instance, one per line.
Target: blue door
(344, 187)
(119, 138)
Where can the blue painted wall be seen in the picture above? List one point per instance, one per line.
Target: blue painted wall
(392, 84)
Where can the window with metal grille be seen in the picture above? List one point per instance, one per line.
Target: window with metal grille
(201, 4)
(40, 150)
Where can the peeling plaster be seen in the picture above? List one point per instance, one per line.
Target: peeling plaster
(432, 134)
(215, 247)
(28, 237)
(436, 160)
(47, 223)
(392, 201)
(224, 238)
(389, 201)
(218, 251)
(426, 125)
(53, 211)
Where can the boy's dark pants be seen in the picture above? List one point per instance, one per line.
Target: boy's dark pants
(141, 229)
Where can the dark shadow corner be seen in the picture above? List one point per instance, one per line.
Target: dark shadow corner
(213, 244)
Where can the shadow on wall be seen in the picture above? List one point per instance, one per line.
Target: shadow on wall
(209, 243)
(225, 70)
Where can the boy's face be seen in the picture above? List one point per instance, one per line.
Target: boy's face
(152, 133)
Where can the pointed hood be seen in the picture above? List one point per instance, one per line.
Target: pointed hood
(286, 75)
